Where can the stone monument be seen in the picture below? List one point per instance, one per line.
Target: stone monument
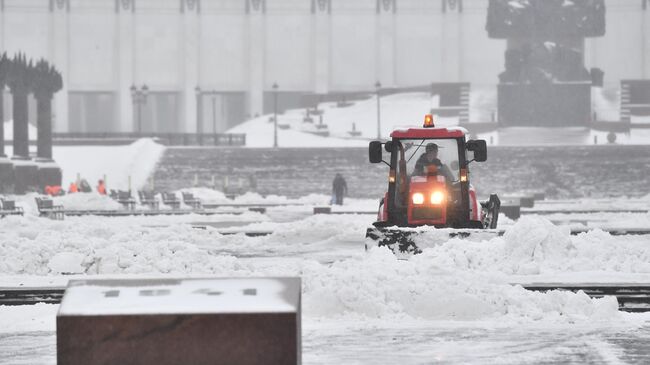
(545, 82)
(245, 321)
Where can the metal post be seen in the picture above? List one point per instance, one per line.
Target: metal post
(139, 118)
(378, 87)
(275, 115)
(199, 119)
(214, 112)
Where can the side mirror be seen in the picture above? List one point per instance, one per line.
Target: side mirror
(374, 152)
(479, 147)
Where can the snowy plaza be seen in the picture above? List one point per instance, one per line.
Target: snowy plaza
(252, 182)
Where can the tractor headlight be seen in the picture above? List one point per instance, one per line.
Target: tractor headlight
(437, 197)
(417, 198)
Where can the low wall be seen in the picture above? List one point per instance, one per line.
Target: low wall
(560, 172)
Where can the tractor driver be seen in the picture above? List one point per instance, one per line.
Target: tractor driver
(429, 164)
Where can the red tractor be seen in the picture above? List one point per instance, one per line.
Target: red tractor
(429, 185)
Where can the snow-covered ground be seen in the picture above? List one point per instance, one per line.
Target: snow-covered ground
(369, 307)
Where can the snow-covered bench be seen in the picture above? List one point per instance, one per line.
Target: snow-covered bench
(46, 208)
(8, 207)
(189, 199)
(148, 198)
(171, 199)
(124, 198)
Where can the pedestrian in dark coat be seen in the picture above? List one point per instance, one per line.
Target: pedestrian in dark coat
(339, 189)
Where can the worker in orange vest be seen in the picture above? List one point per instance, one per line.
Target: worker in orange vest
(73, 188)
(53, 190)
(101, 187)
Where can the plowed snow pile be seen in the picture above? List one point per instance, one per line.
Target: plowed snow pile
(535, 245)
(456, 279)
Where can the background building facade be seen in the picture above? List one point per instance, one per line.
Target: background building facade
(209, 64)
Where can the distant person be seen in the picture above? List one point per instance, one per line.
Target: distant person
(101, 187)
(430, 165)
(84, 186)
(73, 188)
(252, 183)
(339, 189)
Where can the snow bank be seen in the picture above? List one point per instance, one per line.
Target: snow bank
(208, 195)
(456, 279)
(117, 163)
(136, 160)
(382, 286)
(87, 201)
(534, 246)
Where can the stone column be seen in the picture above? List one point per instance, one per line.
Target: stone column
(321, 10)
(44, 121)
(385, 59)
(59, 35)
(256, 33)
(49, 173)
(20, 137)
(19, 82)
(124, 62)
(190, 62)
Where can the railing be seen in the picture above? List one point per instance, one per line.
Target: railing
(169, 139)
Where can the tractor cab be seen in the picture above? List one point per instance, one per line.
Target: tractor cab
(428, 179)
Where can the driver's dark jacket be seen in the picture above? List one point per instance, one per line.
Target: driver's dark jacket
(422, 163)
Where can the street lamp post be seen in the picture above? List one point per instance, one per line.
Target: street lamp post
(199, 115)
(214, 111)
(378, 87)
(139, 99)
(275, 115)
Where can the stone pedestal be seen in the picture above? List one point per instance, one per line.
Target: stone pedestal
(7, 176)
(49, 173)
(25, 175)
(193, 321)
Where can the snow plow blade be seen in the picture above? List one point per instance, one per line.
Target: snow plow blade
(411, 241)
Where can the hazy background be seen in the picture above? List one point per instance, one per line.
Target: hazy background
(236, 49)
